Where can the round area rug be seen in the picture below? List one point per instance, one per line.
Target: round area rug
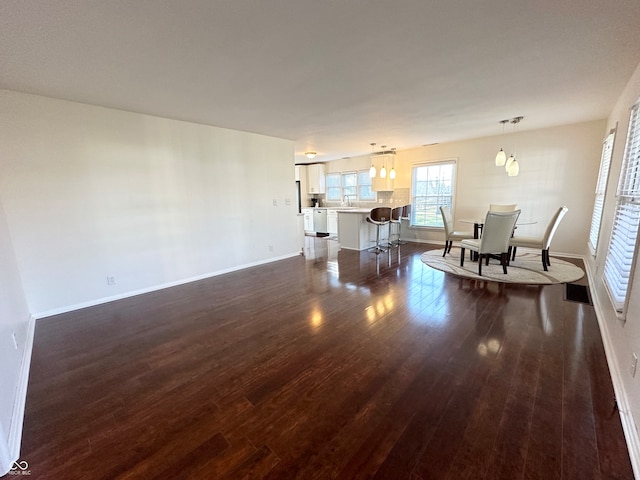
(526, 268)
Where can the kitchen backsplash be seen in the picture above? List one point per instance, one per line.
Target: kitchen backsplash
(400, 196)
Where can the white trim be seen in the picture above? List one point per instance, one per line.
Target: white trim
(5, 457)
(10, 451)
(100, 301)
(626, 417)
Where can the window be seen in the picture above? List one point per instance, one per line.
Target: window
(601, 186)
(350, 185)
(357, 185)
(432, 186)
(334, 191)
(618, 266)
(364, 187)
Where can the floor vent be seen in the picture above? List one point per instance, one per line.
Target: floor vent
(577, 293)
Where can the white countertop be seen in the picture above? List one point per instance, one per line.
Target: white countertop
(353, 210)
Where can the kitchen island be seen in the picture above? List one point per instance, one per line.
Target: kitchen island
(354, 232)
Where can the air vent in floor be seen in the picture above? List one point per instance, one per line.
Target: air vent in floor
(574, 292)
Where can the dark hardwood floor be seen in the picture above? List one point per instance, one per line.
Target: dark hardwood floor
(337, 365)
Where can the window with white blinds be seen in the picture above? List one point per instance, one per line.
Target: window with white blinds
(618, 267)
(601, 187)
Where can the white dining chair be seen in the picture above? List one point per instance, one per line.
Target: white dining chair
(449, 233)
(497, 231)
(542, 243)
(493, 207)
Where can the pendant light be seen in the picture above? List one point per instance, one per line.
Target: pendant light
(511, 166)
(508, 163)
(372, 170)
(383, 170)
(501, 157)
(392, 172)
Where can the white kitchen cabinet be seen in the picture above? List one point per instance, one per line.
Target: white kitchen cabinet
(332, 222)
(308, 219)
(315, 178)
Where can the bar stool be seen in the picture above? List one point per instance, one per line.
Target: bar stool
(394, 226)
(379, 217)
(406, 215)
(406, 212)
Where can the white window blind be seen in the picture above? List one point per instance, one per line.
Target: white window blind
(601, 187)
(618, 266)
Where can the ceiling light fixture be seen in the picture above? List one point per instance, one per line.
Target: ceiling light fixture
(310, 155)
(383, 170)
(392, 172)
(501, 157)
(511, 166)
(372, 170)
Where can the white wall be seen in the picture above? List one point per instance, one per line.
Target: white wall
(92, 192)
(14, 320)
(621, 338)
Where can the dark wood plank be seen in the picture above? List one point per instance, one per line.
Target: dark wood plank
(338, 365)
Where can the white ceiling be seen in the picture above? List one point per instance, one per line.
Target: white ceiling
(331, 75)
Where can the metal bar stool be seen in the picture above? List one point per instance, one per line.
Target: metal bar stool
(379, 217)
(405, 215)
(394, 226)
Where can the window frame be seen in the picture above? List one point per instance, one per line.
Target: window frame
(329, 187)
(619, 265)
(374, 194)
(416, 203)
(600, 192)
(357, 197)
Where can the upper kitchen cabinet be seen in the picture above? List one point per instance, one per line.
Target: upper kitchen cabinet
(315, 178)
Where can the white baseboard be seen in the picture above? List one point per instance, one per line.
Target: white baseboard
(10, 451)
(133, 293)
(626, 417)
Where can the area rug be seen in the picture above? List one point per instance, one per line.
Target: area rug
(526, 268)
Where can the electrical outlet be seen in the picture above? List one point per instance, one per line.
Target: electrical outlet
(634, 364)
(275, 202)
(111, 280)
(271, 248)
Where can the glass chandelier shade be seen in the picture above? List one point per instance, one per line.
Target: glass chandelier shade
(508, 163)
(501, 158)
(513, 168)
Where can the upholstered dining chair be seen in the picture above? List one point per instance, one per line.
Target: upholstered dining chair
(498, 227)
(502, 208)
(379, 217)
(542, 243)
(449, 233)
